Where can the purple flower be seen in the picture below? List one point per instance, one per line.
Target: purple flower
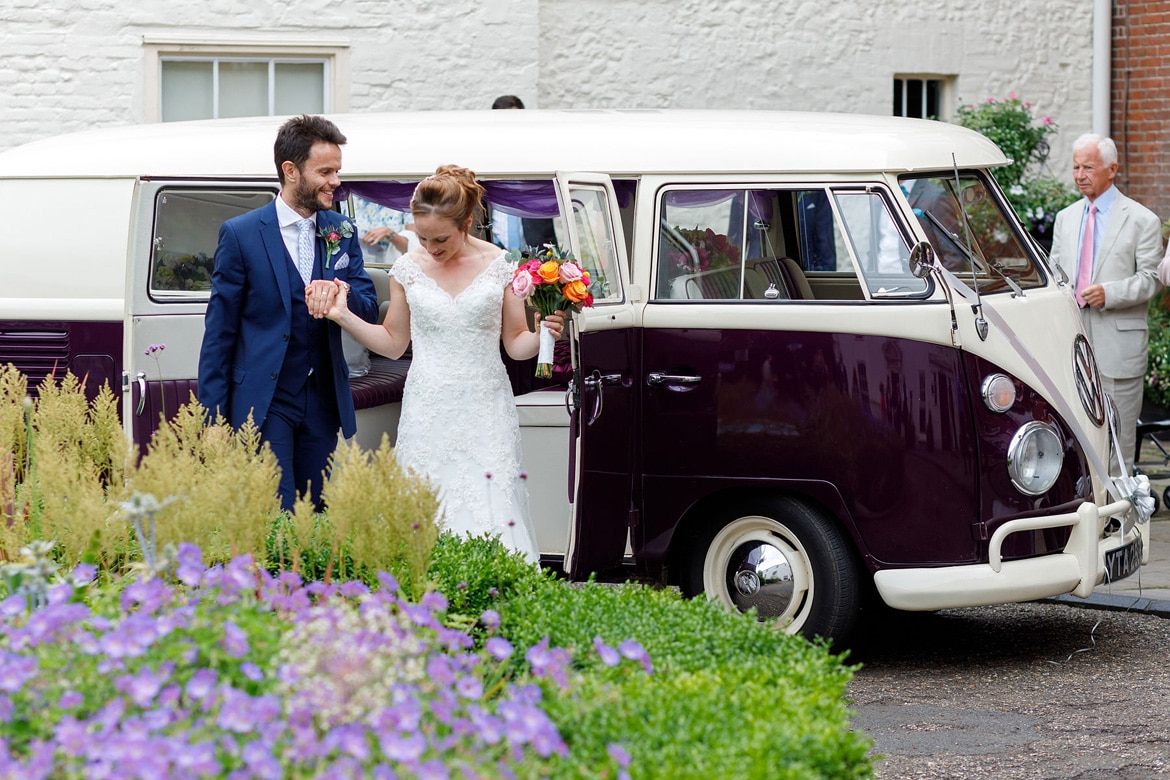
(490, 619)
(261, 762)
(148, 595)
(251, 671)
(235, 641)
(434, 601)
(433, 770)
(143, 686)
(633, 651)
(387, 582)
(403, 748)
(498, 647)
(190, 564)
(83, 574)
(608, 655)
(618, 754)
(349, 739)
(469, 687)
(15, 671)
(201, 684)
(353, 589)
(70, 700)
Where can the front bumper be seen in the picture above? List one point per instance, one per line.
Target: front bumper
(1078, 569)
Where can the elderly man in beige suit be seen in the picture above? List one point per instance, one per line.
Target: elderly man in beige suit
(1110, 246)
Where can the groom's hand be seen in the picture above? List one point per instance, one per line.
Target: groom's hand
(319, 295)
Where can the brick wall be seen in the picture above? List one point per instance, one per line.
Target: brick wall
(1140, 115)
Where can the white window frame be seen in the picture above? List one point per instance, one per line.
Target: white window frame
(946, 89)
(333, 52)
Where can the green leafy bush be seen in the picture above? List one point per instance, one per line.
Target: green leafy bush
(1158, 372)
(729, 696)
(1034, 194)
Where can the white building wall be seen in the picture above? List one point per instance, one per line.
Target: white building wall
(69, 65)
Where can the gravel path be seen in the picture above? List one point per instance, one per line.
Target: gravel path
(1033, 691)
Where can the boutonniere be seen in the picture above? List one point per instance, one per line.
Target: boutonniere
(332, 237)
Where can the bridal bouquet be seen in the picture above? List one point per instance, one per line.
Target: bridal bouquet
(551, 280)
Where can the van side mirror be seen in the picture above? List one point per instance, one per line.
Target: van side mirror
(922, 259)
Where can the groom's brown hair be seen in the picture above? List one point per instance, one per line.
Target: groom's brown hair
(296, 137)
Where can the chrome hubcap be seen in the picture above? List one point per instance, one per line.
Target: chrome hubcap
(759, 576)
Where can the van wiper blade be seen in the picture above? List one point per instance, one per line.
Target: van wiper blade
(972, 258)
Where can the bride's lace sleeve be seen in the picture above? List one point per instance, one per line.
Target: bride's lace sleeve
(405, 270)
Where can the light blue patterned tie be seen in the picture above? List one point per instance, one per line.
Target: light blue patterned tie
(305, 248)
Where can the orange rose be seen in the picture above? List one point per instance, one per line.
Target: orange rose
(576, 291)
(549, 271)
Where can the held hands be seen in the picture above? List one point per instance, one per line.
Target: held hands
(327, 299)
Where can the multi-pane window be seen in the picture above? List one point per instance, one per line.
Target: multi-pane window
(217, 87)
(920, 97)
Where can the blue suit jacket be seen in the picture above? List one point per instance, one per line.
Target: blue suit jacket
(249, 316)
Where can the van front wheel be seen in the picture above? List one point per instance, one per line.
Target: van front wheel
(787, 561)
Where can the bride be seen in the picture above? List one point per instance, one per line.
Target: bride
(459, 426)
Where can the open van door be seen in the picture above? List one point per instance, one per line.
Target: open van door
(176, 228)
(603, 394)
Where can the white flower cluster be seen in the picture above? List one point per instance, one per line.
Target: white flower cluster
(342, 662)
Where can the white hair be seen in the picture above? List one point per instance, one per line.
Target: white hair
(1105, 146)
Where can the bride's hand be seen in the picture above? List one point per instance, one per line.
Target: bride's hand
(340, 305)
(555, 322)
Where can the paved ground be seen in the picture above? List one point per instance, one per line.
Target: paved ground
(1068, 688)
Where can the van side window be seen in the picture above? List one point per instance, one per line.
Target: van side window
(879, 246)
(596, 252)
(765, 245)
(186, 230)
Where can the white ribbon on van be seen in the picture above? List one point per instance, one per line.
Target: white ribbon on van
(1136, 489)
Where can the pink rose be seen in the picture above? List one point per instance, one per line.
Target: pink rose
(522, 284)
(570, 272)
(531, 266)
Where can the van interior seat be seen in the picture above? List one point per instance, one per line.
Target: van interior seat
(768, 269)
(797, 282)
(381, 279)
(382, 385)
(719, 284)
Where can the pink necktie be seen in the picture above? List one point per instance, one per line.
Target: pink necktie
(1085, 270)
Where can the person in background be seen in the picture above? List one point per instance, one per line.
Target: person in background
(1109, 246)
(508, 101)
(264, 355)
(386, 234)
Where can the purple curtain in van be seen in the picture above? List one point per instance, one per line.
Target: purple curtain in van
(521, 198)
(759, 202)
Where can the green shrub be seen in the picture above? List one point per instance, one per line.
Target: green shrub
(1158, 372)
(729, 696)
(478, 573)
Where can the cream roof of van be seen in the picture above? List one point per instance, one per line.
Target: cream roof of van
(520, 143)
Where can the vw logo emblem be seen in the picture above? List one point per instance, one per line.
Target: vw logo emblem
(747, 583)
(1088, 380)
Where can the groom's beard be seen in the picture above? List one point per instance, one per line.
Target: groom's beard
(307, 199)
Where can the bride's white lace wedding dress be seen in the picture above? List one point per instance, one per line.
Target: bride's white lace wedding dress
(459, 425)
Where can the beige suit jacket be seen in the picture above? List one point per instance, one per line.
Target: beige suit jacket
(1127, 261)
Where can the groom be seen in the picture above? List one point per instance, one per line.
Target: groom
(263, 354)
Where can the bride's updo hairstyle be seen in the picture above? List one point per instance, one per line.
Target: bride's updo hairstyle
(450, 192)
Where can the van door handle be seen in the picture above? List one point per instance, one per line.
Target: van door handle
(141, 377)
(596, 380)
(655, 378)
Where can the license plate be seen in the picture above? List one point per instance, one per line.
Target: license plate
(1123, 561)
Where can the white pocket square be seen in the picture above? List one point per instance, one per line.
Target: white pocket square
(342, 262)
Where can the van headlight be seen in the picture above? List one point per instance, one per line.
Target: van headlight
(1035, 457)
